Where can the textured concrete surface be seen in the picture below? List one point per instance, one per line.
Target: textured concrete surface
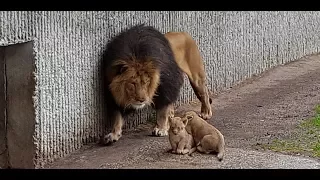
(255, 112)
(235, 46)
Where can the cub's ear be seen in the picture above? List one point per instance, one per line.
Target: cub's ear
(185, 122)
(189, 117)
(170, 120)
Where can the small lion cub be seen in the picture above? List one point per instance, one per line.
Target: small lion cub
(207, 138)
(181, 142)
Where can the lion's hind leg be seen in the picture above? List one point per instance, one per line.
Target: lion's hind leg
(197, 79)
(202, 94)
(188, 58)
(192, 65)
(208, 144)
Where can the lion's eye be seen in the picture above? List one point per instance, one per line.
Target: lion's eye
(122, 69)
(131, 86)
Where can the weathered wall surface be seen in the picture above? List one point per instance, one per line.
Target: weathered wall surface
(67, 45)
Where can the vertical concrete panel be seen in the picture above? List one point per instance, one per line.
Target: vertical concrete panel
(20, 109)
(3, 136)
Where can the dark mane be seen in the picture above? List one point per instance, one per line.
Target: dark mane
(142, 42)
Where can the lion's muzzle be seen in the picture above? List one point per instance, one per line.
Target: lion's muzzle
(138, 105)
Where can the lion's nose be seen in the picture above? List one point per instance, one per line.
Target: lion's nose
(141, 100)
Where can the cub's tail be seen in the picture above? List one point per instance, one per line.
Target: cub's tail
(192, 150)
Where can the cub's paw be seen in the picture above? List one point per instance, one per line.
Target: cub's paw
(111, 138)
(179, 151)
(159, 132)
(185, 151)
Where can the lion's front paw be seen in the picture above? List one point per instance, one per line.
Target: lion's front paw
(111, 138)
(159, 132)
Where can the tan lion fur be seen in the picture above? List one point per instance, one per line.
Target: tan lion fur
(181, 141)
(207, 138)
(188, 58)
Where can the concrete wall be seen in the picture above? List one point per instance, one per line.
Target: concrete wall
(69, 112)
(3, 139)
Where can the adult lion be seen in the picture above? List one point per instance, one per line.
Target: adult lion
(144, 67)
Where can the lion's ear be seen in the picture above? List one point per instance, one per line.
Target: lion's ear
(189, 117)
(185, 122)
(170, 120)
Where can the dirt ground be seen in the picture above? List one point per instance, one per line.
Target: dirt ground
(257, 111)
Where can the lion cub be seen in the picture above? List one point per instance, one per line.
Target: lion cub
(181, 141)
(207, 138)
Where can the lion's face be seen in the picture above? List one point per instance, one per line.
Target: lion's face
(135, 84)
(177, 125)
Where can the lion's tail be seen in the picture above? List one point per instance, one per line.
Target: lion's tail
(221, 147)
